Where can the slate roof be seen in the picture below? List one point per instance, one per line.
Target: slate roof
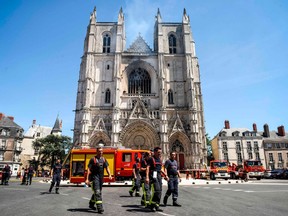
(240, 130)
(8, 123)
(44, 130)
(139, 46)
(274, 137)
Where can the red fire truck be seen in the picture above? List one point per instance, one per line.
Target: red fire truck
(252, 168)
(120, 161)
(218, 169)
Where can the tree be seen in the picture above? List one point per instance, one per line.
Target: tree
(209, 149)
(51, 148)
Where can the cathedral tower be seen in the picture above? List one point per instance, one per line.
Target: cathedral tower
(141, 98)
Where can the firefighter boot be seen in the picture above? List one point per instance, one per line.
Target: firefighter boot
(175, 203)
(100, 209)
(57, 190)
(50, 189)
(131, 193)
(165, 200)
(91, 205)
(137, 194)
(158, 209)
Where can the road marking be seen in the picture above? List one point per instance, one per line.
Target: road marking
(217, 188)
(64, 194)
(164, 214)
(238, 190)
(16, 189)
(226, 189)
(85, 198)
(274, 191)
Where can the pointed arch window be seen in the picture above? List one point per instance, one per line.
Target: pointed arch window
(107, 96)
(139, 82)
(170, 97)
(172, 44)
(177, 146)
(106, 43)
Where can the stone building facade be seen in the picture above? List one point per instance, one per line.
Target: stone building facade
(238, 144)
(11, 136)
(276, 147)
(140, 97)
(37, 131)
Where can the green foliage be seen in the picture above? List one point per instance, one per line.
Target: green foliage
(51, 148)
(209, 149)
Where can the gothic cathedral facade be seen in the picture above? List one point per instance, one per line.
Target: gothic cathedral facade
(140, 97)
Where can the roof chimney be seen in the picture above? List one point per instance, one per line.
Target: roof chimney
(266, 131)
(281, 131)
(34, 122)
(254, 127)
(11, 118)
(1, 115)
(226, 124)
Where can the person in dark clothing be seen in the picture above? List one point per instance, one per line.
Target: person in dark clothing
(30, 173)
(145, 186)
(136, 179)
(172, 169)
(95, 175)
(6, 171)
(56, 173)
(153, 176)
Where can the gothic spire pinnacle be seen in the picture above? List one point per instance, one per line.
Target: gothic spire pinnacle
(93, 16)
(158, 17)
(185, 18)
(120, 16)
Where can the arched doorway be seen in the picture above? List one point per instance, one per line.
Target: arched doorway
(99, 138)
(139, 135)
(178, 148)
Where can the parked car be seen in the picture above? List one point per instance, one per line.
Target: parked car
(267, 174)
(275, 173)
(282, 175)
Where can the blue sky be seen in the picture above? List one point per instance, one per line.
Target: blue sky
(241, 45)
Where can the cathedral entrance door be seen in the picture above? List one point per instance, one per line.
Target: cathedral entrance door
(179, 149)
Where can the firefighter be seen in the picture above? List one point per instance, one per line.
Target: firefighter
(56, 173)
(145, 187)
(136, 179)
(172, 169)
(154, 178)
(95, 175)
(6, 175)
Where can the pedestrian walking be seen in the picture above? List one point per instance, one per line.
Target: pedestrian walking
(23, 176)
(172, 169)
(56, 173)
(136, 179)
(30, 173)
(95, 176)
(153, 176)
(145, 186)
(6, 171)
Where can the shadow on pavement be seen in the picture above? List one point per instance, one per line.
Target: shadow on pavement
(136, 208)
(44, 192)
(88, 210)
